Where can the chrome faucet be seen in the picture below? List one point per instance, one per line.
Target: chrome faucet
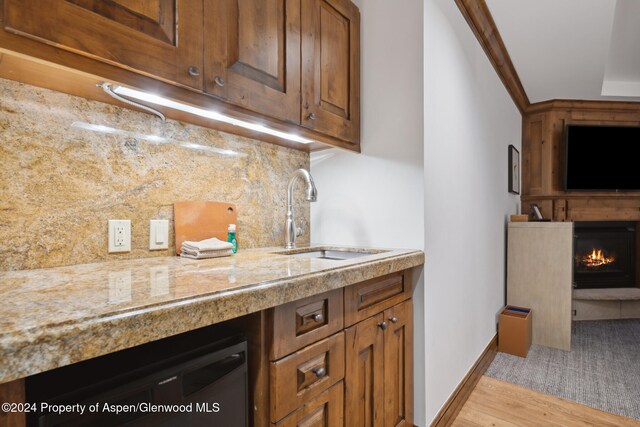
(290, 229)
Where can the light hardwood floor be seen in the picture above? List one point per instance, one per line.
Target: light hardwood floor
(497, 403)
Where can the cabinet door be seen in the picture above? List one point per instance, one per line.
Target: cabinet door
(398, 365)
(364, 372)
(162, 38)
(331, 68)
(252, 55)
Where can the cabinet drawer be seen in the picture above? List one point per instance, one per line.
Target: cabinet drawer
(326, 410)
(298, 378)
(365, 299)
(300, 323)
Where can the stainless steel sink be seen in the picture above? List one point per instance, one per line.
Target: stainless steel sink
(333, 254)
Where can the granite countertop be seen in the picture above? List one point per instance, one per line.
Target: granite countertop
(58, 316)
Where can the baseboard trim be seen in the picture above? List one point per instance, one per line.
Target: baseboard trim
(452, 407)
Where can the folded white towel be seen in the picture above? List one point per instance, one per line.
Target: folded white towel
(212, 244)
(205, 254)
(193, 252)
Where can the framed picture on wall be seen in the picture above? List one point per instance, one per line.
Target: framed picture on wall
(514, 170)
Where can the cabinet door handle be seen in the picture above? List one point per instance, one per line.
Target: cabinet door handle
(318, 317)
(383, 325)
(193, 71)
(312, 116)
(219, 81)
(393, 319)
(320, 372)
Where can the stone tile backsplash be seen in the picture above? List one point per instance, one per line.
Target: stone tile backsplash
(67, 165)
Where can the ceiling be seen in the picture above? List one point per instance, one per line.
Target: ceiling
(573, 49)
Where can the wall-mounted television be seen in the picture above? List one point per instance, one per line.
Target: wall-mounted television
(602, 158)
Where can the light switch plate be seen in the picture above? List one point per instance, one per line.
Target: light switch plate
(119, 235)
(158, 234)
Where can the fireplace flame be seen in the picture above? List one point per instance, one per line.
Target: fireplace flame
(597, 258)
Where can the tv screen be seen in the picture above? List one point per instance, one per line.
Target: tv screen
(602, 158)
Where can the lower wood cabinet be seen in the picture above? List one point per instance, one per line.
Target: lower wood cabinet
(364, 399)
(306, 373)
(379, 369)
(398, 365)
(305, 321)
(325, 410)
(311, 371)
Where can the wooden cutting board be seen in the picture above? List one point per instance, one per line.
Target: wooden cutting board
(200, 220)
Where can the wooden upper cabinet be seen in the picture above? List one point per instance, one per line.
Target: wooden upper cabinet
(290, 65)
(252, 55)
(331, 68)
(162, 38)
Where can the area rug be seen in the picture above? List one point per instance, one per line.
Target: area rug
(602, 370)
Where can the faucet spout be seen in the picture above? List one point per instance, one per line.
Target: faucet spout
(311, 195)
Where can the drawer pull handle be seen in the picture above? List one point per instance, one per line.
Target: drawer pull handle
(312, 116)
(193, 71)
(320, 372)
(219, 81)
(319, 318)
(383, 325)
(393, 319)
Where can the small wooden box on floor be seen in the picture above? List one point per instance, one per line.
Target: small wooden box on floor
(514, 331)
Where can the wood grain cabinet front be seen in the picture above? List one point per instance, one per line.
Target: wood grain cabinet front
(305, 374)
(365, 299)
(161, 38)
(326, 410)
(379, 369)
(331, 68)
(305, 321)
(252, 55)
(289, 65)
(398, 365)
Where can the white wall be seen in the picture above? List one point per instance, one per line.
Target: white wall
(376, 198)
(444, 191)
(470, 120)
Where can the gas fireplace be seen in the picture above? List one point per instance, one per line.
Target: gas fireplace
(604, 255)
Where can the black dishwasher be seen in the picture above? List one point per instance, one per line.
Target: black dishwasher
(168, 383)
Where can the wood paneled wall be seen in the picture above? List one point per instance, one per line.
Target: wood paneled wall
(543, 161)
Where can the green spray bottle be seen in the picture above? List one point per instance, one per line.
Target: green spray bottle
(231, 237)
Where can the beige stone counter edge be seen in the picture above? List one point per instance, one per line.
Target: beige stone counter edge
(35, 351)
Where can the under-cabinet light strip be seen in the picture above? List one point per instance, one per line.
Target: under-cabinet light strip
(159, 100)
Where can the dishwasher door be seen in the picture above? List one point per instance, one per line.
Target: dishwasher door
(209, 389)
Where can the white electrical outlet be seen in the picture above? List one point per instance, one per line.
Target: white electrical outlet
(158, 234)
(119, 235)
